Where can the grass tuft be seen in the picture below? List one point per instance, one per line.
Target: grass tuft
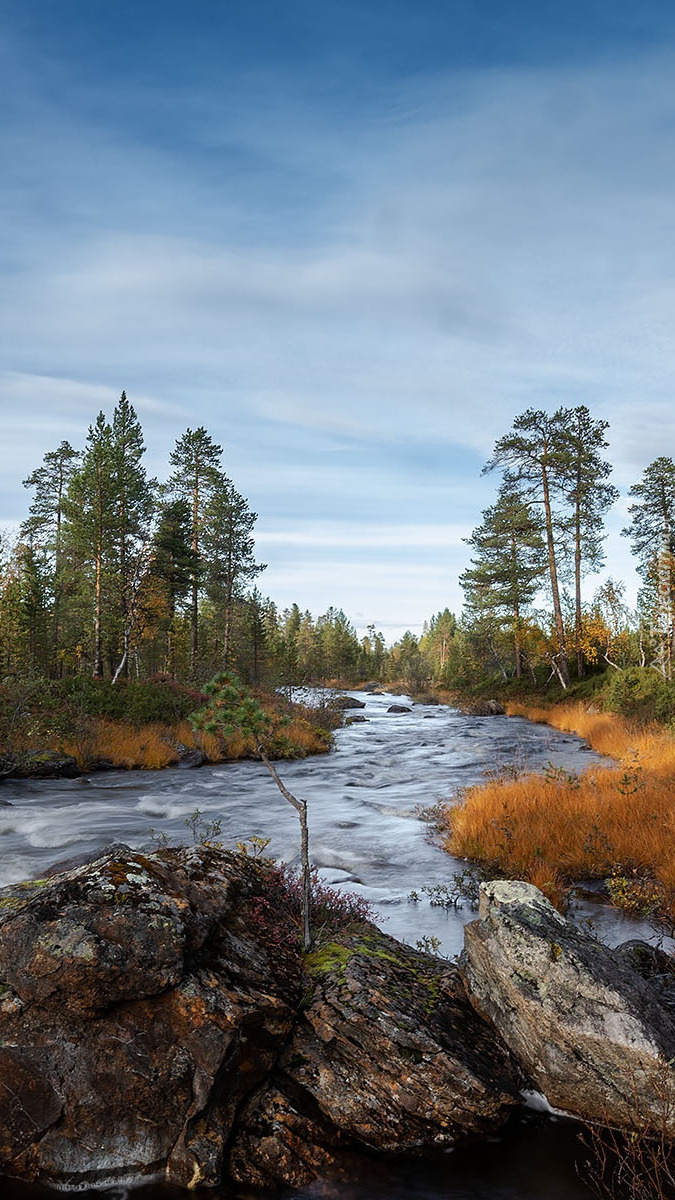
(615, 823)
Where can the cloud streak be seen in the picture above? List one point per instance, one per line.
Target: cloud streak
(355, 302)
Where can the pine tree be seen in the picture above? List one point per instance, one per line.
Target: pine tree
(508, 563)
(652, 534)
(228, 547)
(196, 477)
(533, 458)
(134, 507)
(90, 523)
(590, 496)
(172, 567)
(43, 529)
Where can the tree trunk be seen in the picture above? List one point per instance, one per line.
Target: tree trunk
(577, 586)
(562, 668)
(98, 655)
(300, 807)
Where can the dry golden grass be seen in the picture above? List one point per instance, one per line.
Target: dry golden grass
(123, 745)
(614, 822)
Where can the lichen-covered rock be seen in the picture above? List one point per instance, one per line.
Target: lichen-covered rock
(592, 1034)
(140, 1002)
(388, 1056)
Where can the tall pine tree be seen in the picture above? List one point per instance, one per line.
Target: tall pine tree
(652, 534)
(43, 530)
(590, 496)
(508, 562)
(197, 477)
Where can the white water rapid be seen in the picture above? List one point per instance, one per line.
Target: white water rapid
(365, 832)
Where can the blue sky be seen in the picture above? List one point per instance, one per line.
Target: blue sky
(353, 240)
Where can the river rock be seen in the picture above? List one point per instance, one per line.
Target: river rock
(343, 702)
(388, 1056)
(591, 1031)
(486, 708)
(188, 758)
(41, 764)
(399, 708)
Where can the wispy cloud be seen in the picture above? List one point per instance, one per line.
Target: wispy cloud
(355, 302)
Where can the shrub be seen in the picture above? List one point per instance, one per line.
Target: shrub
(640, 693)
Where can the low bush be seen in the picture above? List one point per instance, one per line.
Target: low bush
(144, 701)
(640, 693)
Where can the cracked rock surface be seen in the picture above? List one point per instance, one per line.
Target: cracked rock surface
(139, 1004)
(591, 1031)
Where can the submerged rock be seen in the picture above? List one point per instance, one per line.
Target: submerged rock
(590, 1030)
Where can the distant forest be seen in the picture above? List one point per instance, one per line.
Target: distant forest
(115, 575)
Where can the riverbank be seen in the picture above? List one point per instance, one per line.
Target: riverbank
(70, 727)
(614, 824)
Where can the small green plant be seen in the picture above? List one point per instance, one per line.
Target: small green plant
(464, 886)
(254, 845)
(560, 776)
(206, 833)
(429, 944)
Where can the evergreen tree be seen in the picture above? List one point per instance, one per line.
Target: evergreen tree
(43, 529)
(590, 496)
(171, 570)
(134, 507)
(436, 641)
(508, 564)
(89, 530)
(197, 476)
(652, 534)
(228, 547)
(533, 456)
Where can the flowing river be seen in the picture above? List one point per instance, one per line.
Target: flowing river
(366, 835)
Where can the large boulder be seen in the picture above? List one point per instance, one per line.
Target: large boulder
(142, 998)
(590, 1029)
(388, 1056)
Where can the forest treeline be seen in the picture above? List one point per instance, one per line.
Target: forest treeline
(117, 575)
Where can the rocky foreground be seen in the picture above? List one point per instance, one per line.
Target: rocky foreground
(157, 1020)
